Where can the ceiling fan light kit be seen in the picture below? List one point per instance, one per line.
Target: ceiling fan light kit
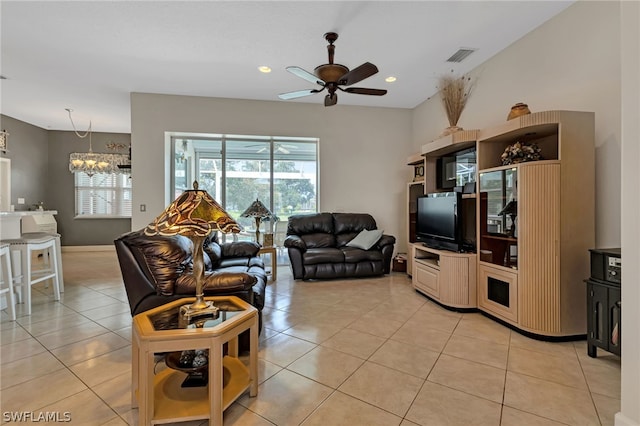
(332, 77)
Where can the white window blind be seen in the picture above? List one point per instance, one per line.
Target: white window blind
(103, 195)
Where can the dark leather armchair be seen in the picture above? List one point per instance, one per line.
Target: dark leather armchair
(157, 270)
(317, 246)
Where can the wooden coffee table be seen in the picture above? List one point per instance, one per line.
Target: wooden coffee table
(160, 397)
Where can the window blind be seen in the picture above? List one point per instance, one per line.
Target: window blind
(103, 195)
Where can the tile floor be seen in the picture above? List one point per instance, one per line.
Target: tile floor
(347, 352)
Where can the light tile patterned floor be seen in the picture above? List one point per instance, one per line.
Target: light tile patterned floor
(346, 352)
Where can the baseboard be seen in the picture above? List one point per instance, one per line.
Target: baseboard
(87, 248)
(622, 420)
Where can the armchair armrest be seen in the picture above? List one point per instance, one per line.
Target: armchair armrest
(294, 241)
(240, 249)
(216, 282)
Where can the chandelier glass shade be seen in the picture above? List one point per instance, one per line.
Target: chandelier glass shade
(91, 162)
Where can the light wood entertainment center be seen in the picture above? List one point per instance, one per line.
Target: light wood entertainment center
(529, 262)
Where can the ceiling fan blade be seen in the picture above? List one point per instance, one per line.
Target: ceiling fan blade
(365, 91)
(283, 150)
(298, 94)
(358, 74)
(297, 71)
(331, 99)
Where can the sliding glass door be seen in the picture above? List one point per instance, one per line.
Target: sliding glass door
(236, 170)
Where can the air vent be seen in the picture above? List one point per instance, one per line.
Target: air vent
(461, 54)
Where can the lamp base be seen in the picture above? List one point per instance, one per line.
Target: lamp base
(189, 312)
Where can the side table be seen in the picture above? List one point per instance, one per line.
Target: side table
(160, 397)
(272, 251)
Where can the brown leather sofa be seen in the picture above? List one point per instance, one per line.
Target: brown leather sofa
(317, 246)
(157, 270)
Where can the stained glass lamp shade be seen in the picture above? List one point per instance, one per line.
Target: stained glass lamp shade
(194, 214)
(258, 211)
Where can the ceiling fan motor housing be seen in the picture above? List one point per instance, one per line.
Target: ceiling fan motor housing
(330, 73)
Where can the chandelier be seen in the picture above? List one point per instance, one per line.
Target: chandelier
(91, 162)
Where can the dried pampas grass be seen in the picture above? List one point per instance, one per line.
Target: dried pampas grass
(454, 92)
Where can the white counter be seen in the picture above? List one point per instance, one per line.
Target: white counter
(10, 222)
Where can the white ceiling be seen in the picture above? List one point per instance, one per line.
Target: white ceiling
(89, 56)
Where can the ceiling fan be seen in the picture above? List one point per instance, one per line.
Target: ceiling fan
(278, 147)
(332, 76)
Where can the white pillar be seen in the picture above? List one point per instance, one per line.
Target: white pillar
(630, 112)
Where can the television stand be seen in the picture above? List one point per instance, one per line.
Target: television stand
(447, 277)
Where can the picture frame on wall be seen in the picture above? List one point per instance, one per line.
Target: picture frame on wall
(418, 172)
(4, 136)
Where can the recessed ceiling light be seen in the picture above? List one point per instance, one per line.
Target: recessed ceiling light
(265, 69)
(390, 79)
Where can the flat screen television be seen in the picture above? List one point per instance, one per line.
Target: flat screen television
(439, 221)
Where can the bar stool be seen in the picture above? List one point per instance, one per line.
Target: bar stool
(7, 280)
(26, 246)
(58, 252)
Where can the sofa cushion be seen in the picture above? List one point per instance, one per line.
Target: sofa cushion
(355, 255)
(212, 251)
(310, 224)
(162, 258)
(366, 239)
(323, 255)
(319, 240)
(243, 262)
(353, 222)
(240, 249)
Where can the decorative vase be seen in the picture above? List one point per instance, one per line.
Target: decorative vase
(451, 129)
(517, 110)
(454, 93)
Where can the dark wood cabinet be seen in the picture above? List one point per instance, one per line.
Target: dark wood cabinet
(603, 319)
(604, 308)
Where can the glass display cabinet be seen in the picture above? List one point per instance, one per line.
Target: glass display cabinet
(498, 217)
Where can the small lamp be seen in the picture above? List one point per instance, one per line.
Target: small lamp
(194, 214)
(258, 211)
(512, 210)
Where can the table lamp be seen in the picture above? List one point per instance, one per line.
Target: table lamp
(512, 210)
(258, 211)
(194, 214)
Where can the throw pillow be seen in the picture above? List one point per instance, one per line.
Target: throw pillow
(366, 239)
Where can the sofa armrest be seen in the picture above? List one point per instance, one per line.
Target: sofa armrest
(240, 249)
(386, 240)
(294, 241)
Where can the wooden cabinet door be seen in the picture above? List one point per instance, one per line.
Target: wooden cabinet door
(539, 296)
(498, 292)
(426, 279)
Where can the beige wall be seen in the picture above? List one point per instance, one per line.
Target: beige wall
(361, 149)
(571, 62)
